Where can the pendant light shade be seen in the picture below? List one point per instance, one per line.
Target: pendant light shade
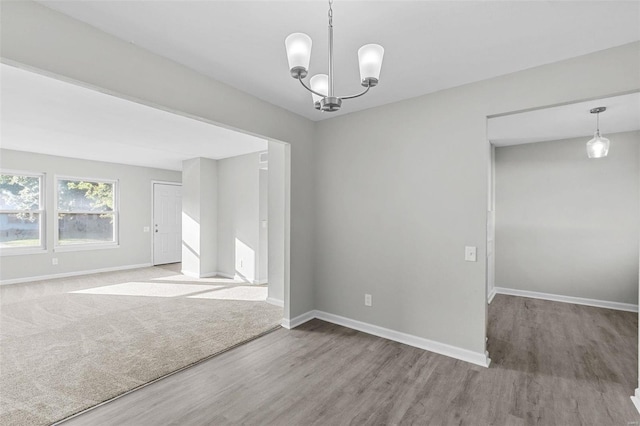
(298, 53)
(598, 147)
(320, 84)
(370, 61)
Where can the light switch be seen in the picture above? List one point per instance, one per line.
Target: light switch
(145, 229)
(470, 254)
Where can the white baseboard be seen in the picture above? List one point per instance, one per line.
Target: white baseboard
(636, 399)
(299, 320)
(477, 358)
(73, 274)
(568, 299)
(276, 302)
(231, 277)
(492, 294)
(408, 339)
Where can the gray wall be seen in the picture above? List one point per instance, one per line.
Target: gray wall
(263, 245)
(567, 224)
(38, 37)
(239, 216)
(135, 214)
(401, 189)
(277, 183)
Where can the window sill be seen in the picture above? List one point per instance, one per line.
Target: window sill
(84, 247)
(21, 251)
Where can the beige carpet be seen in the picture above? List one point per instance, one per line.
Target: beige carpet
(69, 344)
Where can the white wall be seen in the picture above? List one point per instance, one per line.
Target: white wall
(200, 217)
(567, 224)
(402, 189)
(135, 214)
(35, 36)
(239, 217)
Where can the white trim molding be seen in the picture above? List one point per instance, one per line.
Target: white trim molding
(472, 357)
(636, 399)
(299, 320)
(481, 359)
(568, 299)
(276, 302)
(73, 274)
(492, 294)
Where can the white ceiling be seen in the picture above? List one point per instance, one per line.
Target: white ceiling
(566, 121)
(49, 116)
(429, 45)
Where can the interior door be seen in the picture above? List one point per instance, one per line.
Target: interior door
(167, 223)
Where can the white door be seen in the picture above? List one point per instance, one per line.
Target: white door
(167, 223)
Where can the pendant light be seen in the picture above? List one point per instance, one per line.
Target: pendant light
(598, 147)
(298, 47)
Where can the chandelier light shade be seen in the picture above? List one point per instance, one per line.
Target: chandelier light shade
(319, 84)
(598, 147)
(370, 60)
(298, 47)
(298, 53)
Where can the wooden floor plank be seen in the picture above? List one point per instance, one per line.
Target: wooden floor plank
(553, 364)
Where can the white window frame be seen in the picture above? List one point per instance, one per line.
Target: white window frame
(42, 248)
(116, 213)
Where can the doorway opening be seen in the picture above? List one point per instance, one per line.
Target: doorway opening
(563, 234)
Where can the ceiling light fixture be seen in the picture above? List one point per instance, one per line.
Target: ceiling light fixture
(324, 99)
(598, 147)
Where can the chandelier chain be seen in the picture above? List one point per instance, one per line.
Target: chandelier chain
(330, 13)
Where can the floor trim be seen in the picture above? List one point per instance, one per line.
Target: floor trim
(636, 399)
(492, 294)
(73, 274)
(481, 359)
(276, 302)
(186, 367)
(297, 321)
(568, 299)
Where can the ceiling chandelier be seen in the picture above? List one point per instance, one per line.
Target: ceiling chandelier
(598, 147)
(324, 99)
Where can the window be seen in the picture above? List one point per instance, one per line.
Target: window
(21, 212)
(87, 213)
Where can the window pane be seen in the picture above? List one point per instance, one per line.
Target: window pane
(19, 230)
(19, 192)
(78, 195)
(85, 228)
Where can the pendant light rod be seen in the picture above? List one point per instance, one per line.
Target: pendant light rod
(597, 112)
(331, 91)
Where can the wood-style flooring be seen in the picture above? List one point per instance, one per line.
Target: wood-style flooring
(552, 364)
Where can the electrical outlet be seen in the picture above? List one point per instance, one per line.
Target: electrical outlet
(367, 300)
(470, 254)
(54, 261)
